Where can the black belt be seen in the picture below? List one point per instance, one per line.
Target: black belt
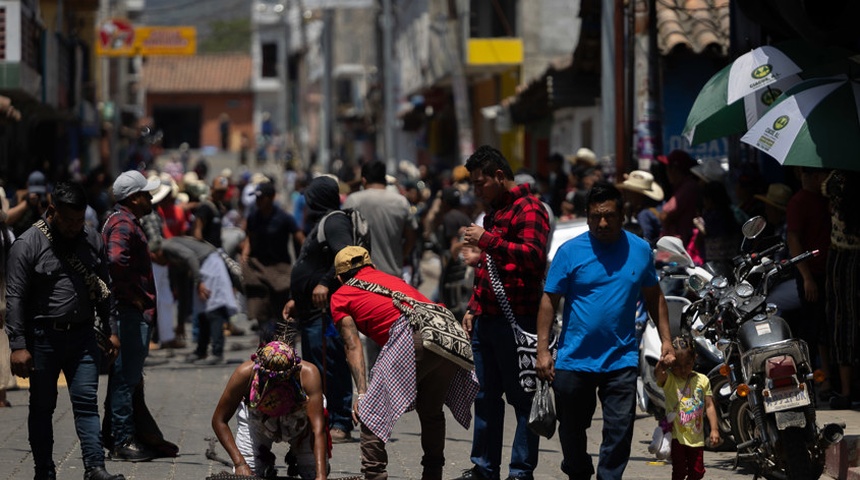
(66, 326)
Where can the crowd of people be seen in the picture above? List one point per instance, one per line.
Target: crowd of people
(98, 273)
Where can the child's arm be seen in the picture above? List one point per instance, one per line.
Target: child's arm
(711, 412)
(661, 373)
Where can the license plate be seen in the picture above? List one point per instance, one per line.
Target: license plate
(790, 419)
(786, 398)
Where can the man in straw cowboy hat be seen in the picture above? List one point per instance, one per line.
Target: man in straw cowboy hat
(643, 195)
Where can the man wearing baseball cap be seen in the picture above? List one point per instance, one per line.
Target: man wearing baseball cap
(134, 292)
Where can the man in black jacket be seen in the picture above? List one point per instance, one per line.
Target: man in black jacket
(51, 313)
(312, 282)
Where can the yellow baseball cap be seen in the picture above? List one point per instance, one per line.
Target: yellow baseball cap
(351, 257)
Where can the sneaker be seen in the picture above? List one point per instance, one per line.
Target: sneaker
(340, 436)
(193, 357)
(175, 343)
(132, 451)
(471, 474)
(211, 360)
(99, 473)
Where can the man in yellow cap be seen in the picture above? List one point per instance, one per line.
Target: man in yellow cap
(434, 381)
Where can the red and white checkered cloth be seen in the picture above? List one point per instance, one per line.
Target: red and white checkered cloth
(393, 388)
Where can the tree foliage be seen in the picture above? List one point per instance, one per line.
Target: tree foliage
(227, 36)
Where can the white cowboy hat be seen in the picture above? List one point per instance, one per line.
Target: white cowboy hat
(642, 182)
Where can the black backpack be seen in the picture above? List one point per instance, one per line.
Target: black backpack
(360, 229)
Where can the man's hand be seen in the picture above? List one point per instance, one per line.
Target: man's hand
(288, 309)
(244, 470)
(545, 366)
(472, 234)
(356, 399)
(114, 351)
(203, 292)
(467, 323)
(667, 354)
(810, 290)
(320, 296)
(22, 363)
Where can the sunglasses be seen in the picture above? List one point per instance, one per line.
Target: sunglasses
(682, 343)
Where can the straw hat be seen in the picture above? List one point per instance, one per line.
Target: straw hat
(584, 156)
(161, 192)
(710, 170)
(642, 182)
(778, 195)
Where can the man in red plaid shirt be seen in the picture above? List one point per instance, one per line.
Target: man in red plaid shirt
(134, 291)
(514, 235)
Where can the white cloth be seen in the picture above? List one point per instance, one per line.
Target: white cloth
(214, 275)
(163, 303)
(256, 433)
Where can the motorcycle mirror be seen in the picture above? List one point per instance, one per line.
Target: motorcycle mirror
(696, 282)
(719, 282)
(671, 249)
(753, 227)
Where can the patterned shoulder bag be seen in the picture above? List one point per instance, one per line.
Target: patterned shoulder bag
(526, 342)
(441, 333)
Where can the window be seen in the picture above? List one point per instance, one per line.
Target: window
(270, 60)
(492, 18)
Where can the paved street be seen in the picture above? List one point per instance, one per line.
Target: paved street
(182, 398)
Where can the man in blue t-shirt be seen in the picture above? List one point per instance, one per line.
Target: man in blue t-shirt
(601, 274)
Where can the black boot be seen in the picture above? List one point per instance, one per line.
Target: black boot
(49, 473)
(99, 473)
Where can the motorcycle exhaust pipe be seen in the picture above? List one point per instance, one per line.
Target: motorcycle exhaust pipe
(831, 434)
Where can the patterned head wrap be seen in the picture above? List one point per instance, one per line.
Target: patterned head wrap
(276, 388)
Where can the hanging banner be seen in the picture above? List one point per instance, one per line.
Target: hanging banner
(117, 37)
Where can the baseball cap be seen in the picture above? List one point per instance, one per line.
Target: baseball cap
(131, 182)
(36, 183)
(351, 257)
(266, 189)
(679, 159)
(451, 196)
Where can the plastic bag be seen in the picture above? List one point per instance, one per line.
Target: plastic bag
(542, 415)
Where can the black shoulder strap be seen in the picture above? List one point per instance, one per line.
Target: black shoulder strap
(97, 287)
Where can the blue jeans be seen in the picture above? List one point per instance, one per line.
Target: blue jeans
(127, 372)
(575, 403)
(211, 326)
(496, 366)
(76, 354)
(337, 379)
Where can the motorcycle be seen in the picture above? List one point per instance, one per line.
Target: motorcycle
(769, 375)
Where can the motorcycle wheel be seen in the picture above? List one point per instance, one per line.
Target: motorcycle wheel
(743, 423)
(725, 423)
(796, 459)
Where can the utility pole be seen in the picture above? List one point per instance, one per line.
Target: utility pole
(458, 81)
(388, 69)
(620, 111)
(326, 113)
(283, 12)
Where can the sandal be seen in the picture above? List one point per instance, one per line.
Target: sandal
(5, 404)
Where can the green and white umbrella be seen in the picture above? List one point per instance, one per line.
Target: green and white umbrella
(814, 124)
(739, 94)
